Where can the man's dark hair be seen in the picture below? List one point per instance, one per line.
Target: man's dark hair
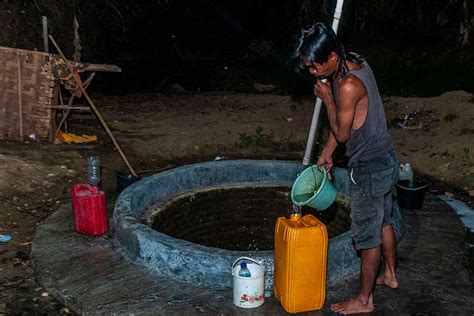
(316, 44)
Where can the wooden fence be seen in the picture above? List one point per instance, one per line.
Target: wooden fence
(26, 91)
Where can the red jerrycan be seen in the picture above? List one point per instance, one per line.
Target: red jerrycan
(90, 213)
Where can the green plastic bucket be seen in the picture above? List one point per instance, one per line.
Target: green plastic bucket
(313, 188)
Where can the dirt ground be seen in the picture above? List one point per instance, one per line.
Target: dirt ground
(160, 131)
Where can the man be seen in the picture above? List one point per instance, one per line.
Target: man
(356, 118)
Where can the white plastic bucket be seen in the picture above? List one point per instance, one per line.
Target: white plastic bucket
(249, 292)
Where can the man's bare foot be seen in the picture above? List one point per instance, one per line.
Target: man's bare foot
(353, 306)
(390, 282)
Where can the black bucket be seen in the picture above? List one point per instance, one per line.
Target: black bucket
(124, 179)
(411, 194)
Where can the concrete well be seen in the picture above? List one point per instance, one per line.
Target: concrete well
(207, 266)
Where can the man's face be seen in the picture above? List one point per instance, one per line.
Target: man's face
(317, 70)
(325, 69)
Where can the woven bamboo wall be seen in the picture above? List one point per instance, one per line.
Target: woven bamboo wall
(33, 70)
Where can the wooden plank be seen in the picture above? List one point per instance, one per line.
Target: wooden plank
(66, 107)
(101, 68)
(20, 105)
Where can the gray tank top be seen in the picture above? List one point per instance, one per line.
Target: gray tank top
(372, 139)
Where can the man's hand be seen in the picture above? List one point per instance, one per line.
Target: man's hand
(323, 90)
(326, 161)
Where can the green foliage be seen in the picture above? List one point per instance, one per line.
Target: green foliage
(466, 158)
(259, 139)
(244, 140)
(471, 178)
(451, 117)
(262, 139)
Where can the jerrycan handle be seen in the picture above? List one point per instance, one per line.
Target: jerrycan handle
(249, 259)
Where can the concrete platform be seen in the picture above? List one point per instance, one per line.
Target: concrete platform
(90, 277)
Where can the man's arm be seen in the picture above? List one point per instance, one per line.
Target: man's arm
(330, 146)
(341, 117)
(326, 154)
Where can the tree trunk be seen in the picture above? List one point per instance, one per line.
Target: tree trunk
(466, 26)
(419, 11)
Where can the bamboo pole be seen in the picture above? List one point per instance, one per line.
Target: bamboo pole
(317, 106)
(97, 113)
(20, 101)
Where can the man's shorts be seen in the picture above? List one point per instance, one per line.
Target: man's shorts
(372, 183)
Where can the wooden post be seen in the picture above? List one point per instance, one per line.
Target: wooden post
(77, 41)
(97, 113)
(20, 103)
(64, 117)
(53, 127)
(45, 34)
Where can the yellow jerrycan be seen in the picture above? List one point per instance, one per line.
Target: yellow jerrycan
(301, 247)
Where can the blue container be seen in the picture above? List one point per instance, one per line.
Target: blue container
(411, 194)
(313, 188)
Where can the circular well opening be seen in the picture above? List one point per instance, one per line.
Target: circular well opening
(237, 218)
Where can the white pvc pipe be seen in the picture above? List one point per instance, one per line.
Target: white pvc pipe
(317, 106)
